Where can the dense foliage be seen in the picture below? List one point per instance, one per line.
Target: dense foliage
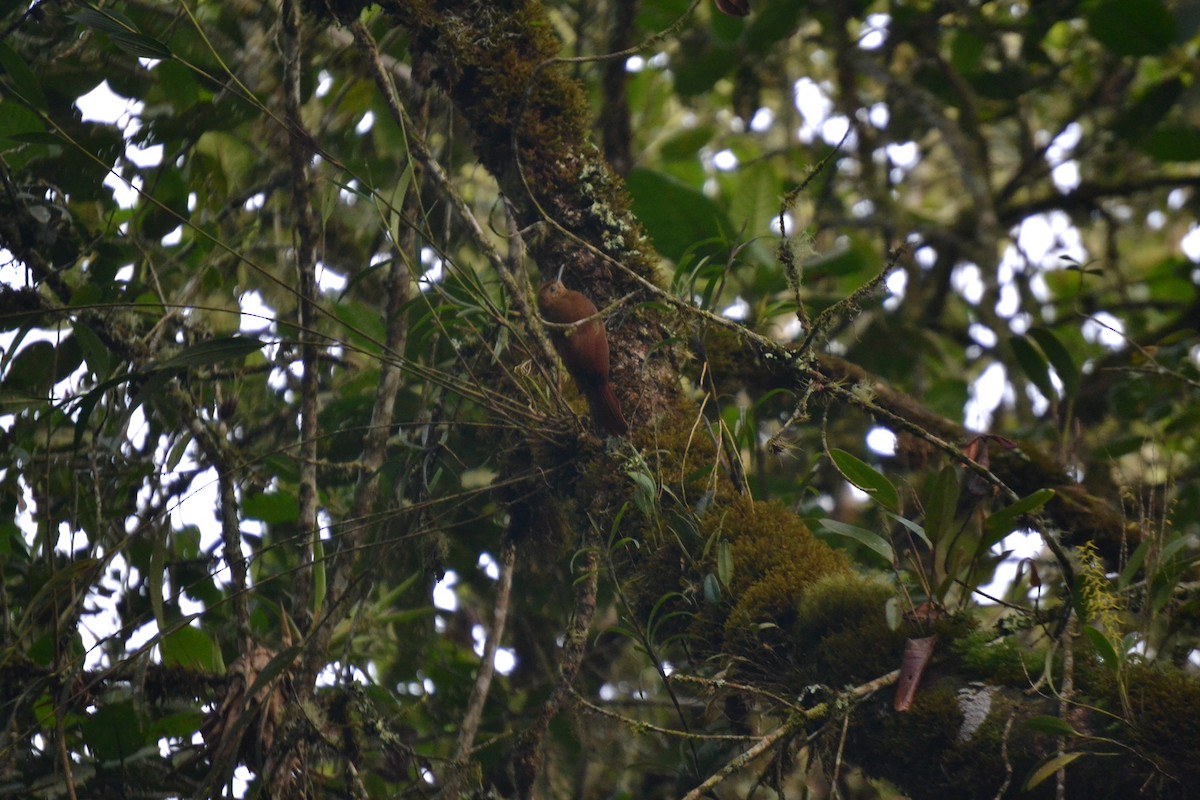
(889, 287)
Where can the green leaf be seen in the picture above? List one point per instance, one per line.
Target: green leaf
(754, 200)
(123, 32)
(180, 725)
(1104, 648)
(675, 214)
(319, 579)
(867, 478)
(940, 504)
(870, 539)
(364, 325)
(21, 77)
(725, 562)
(645, 492)
(1034, 365)
(683, 145)
(187, 647)
(16, 124)
(916, 529)
(1004, 521)
(1131, 27)
(95, 352)
(273, 508)
(850, 259)
(1175, 143)
(1135, 563)
(1059, 358)
(31, 372)
(1054, 726)
(115, 732)
(1144, 112)
(712, 590)
(770, 23)
(103, 21)
(140, 45)
(213, 351)
(1049, 768)
(168, 206)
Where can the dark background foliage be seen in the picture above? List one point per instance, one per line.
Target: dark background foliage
(884, 283)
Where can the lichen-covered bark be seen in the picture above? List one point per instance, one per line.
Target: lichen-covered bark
(531, 123)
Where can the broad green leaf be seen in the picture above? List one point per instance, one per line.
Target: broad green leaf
(273, 508)
(1059, 358)
(684, 145)
(712, 589)
(187, 647)
(1034, 365)
(115, 732)
(1131, 27)
(675, 214)
(867, 478)
(180, 725)
(363, 324)
(841, 260)
(1134, 564)
(1172, 144)
(754, 200)
(97, 355)
(140, 45)
(770, 23)
(1004, 521)
(870, 539)
(107, 21)
(1148, 108)
(22, 78)
(17, 123)
(940, 504)
(31, 372)
(1108, 654)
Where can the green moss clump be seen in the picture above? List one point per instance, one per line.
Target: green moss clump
(997, 660)
(776, 559)
(921, 751)
(844, 625)
(1165, 703)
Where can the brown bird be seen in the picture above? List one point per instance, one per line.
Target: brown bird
(584, 351)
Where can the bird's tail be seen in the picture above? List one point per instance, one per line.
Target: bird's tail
(606, 410)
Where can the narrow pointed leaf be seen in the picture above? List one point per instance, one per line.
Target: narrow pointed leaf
(867, 478)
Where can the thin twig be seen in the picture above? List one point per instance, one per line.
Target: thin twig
(528, 758)
(793, 723)
(483, 680)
